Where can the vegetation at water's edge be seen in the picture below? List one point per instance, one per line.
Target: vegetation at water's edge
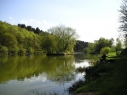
(22, 40)
(104, 78)
(104, 45)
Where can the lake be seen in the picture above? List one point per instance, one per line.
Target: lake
(23, 75)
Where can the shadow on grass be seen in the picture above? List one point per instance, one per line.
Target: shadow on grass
(105, 78)
(117, 57)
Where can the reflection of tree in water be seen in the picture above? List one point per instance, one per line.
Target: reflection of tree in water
(64, 70)
(81, 57)
(21, 67)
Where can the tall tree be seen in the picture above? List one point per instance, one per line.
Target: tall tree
(29, 28)
(101, 43)
(66, 37)
(37, 31)
(123, 19)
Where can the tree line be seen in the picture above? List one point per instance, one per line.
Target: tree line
(30, 28)
(104, 45)
(25, 39)
(57, 40)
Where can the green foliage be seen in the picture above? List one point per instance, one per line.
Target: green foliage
(66, 37)
(97, 46)
(113, 49)
(123, 20)
(18, 39)
(4, 50)
(102, 42)
(124, 52)
(22, 40)
(111, 54)
(91, 47)
(118, 45)
(8, 40)
(30, 50)
(86, 50)
(102, 77)
(49, 44)
(15, 49)
(105, 50)
(22, 51)
(80, 45)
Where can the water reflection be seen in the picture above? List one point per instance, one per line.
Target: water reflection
(39, 73)
(20, 68)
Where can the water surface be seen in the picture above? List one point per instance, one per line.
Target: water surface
(21, 75)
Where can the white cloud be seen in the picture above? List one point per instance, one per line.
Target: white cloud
(93, 29)
(10, 17)
(31, 21)
(24, 21)
(45, 22)
(43, 25)
(11, 20)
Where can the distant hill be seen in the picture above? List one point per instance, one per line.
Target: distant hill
(80, 45)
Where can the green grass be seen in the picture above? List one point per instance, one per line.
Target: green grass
(114, 82)
(111, 54)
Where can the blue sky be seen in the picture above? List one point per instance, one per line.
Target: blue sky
(92, 19)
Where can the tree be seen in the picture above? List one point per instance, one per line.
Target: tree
(66, 37)
(22, 25)
(49, 44)
(86, 50)
(4, 50)
(80, 45)
(123, 20)
(102, 42)
(118, 45)
(29, 28)
(37, 31)
(8, 40)
(91, 47)
(105, 50)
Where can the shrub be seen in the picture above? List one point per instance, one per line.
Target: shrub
(105, 50)
(3, 49)
(86, 50)
(30, 50)
(15, 50)
(22, 51)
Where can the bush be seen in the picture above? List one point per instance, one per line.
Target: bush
(86, 50)
(15, 50)
(30, 50)
(4, 49)
(124, 52)
(105, 50)
(22, 51)
(113, 49)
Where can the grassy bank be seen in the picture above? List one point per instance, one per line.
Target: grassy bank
(105, 78)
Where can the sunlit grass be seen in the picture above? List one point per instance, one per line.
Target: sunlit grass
(106, 78)
(111, 54)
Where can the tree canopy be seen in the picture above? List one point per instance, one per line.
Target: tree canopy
(26, 39)
(123, 20)
(66, 37)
